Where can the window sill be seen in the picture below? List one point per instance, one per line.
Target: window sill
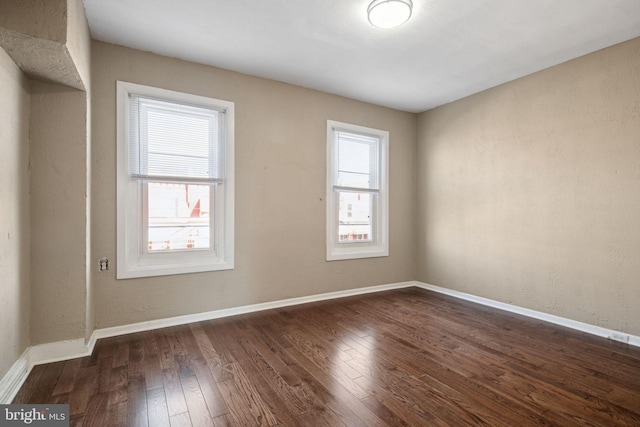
(338, 254)
(134, 272)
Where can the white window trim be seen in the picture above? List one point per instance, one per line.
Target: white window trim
(131, 262)
(354, 250)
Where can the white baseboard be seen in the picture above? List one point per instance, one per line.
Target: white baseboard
(37, 355)
(14, 378)
(65, 350)
(57, 351)
(561, 321)
(217, 314)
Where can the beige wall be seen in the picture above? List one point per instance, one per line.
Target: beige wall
(79, 47)
(79, 41)
(58, 213)
(14, 212)
(48, 39)
(44, 162)
(43, 19)
(529, 193)
(280, 192)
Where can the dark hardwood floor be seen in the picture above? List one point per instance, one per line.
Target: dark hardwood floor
(405, 357)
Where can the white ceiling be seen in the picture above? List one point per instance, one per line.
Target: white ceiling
(447, 50)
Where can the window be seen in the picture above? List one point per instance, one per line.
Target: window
(357, 196)
(175, 182)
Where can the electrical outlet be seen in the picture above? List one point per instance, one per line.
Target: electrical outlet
(104, 264)
(617, 336)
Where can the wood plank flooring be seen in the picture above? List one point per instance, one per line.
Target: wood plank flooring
(404, 357)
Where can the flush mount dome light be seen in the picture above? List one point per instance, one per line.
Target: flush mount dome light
(389, 13)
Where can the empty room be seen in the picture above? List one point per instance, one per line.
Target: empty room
(320, 213)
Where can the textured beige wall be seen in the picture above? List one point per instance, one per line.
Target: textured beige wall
(35, 32)
(43, 19)
(14, 212)
(280, 192)
(58, 213)
(529, 193)
(79, 40)
(79, 46)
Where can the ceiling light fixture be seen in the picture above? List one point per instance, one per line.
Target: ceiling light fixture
(389, 13)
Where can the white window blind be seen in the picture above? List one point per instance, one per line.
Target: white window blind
(169, 141)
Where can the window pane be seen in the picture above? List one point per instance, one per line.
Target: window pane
(178, 217)
(353, 156)
(350, 179)
(357, 160)
(354, 217)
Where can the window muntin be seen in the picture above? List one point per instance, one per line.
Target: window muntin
(356, 192)
(175, 182)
